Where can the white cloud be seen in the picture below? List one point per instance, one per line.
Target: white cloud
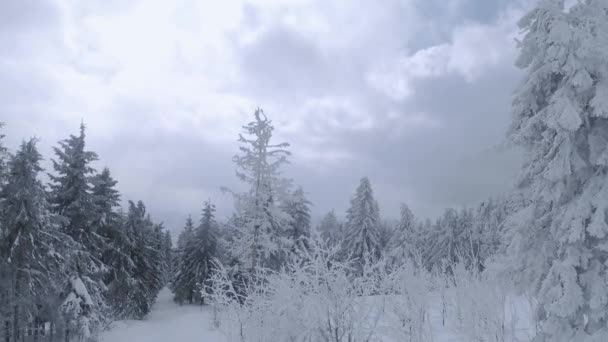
(472, 49)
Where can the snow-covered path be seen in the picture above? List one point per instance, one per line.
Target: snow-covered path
(168, 322)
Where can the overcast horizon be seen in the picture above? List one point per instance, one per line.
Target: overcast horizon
(400, 94)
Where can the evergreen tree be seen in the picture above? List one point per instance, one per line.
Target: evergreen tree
(386, 231)
(362, 240)
(72, 199)
(146, 280)
(330, 229)
(157, 256)
(259, 241)
(487, 228)
(560, 117)
(444, 239)
(71, 194)
(167, 257)
(184, 281)
(297, 206)
(30, 262)
(206, 244)
(115, 254)
(196, 260)
(405, 243)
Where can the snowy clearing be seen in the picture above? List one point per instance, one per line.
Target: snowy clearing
(167, 322)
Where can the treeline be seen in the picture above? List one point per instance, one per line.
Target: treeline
(272, 223)
(71, 259)
(551, 235)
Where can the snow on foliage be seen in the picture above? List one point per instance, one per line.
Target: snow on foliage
(260, 240)
(559, 117)
(317, 298)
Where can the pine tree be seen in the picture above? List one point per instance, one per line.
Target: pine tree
(362, 240)
(444, 239)
(560, 117)
(197, 258)
(259, 242)
(146, 280)
(297, 206)
(167, 257)
(115, 254)
(71, 191)
(206, 244)
(157, 256)
(30, 262)
(330, 229)
(72, 199)
(405, 243)
(184, 282)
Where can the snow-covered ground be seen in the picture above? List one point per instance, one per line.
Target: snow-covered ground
(168, 322)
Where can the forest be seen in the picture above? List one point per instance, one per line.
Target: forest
(528, 265)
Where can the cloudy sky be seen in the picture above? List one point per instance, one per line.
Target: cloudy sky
(414, 94)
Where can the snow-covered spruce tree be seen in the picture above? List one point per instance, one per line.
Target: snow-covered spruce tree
(30, 262)
(146, 281)
(297, 206)
(196, 258)
(167, 257)
(405, 243)
(72, 199)
(444, 240)
(157, 255)
(182, 284)
(260, 241)
(386, 231)
(108, 223)
(330, 229)
(487, 233)
(560, 117)
(362, 238)
(207, 249)
(470, 242)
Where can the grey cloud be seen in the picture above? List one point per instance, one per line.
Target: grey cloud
(428, 166)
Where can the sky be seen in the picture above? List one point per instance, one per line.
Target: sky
(414, 94)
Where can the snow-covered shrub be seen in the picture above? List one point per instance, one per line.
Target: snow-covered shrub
(313, 298)
(317, 298)
(476, 306)
(408, 304)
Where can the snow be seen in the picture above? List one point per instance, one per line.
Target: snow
(167, 322)
(81, 290)
(171, 322)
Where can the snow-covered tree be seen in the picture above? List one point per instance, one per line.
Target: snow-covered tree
(260, 240)
(405, 243)
(30, 262)
(146, 279)
(362, 237)
(108, 223)
(196, 260)
(71, 195)
(331, 229)
(297, 206)
(72, 199)
(444, 240)
(560, 117)
(184, 280)
(168, 256)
